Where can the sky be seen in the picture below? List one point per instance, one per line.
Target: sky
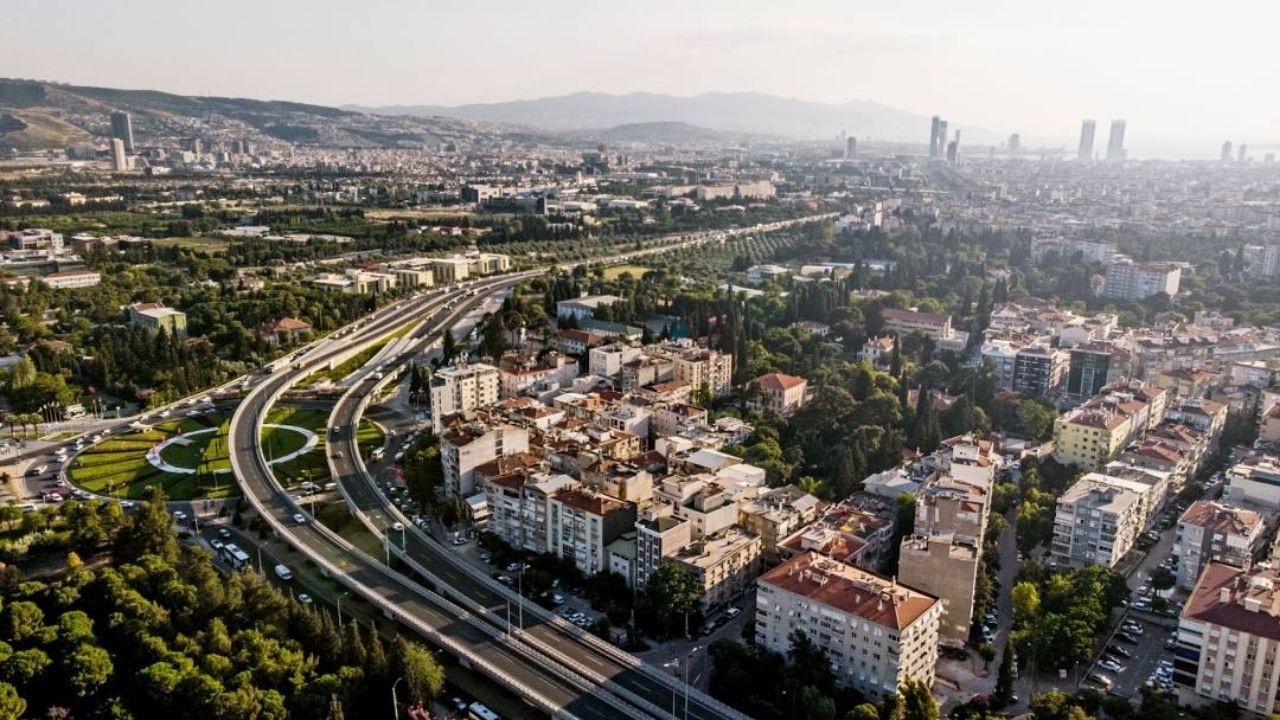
(1183, 73)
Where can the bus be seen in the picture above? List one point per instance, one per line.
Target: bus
(479, 712)
(234, 556)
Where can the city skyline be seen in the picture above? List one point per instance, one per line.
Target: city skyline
(1002, 74)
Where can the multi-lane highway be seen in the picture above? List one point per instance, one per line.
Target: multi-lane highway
(541, 682)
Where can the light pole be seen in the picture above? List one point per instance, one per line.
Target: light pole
(339, 604)
(395, 703)
(688, 661)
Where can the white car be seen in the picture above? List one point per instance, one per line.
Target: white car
(397, 526)
(299, 519)
(1109, 665)
(304, 598)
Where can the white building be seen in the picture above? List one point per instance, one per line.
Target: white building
(1127, 280)
(468, 444)
(1229, 638)
(71, 279)
(1212, 532)
(875, 632)
(462, 388)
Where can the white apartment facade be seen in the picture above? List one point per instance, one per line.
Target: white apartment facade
(462, 388)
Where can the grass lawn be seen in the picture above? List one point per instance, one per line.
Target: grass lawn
(207, 244)
(615, 272)
(118, 466)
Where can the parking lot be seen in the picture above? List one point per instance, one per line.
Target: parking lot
(1146, 648)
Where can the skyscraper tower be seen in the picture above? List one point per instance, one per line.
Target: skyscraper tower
(953, 148)
(850, 146)
(1244, 153)
(1226, 151)
(942, 138)
(122, 129)
(1087, 130)
(934, 138)
(1015, 145)
(119, 160)
(1115, 143)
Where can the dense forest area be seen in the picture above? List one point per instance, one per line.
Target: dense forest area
(135, 624)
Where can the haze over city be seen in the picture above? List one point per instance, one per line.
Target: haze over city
(575, 360)
(1185, 77)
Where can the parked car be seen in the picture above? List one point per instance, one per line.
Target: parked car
(1109, 665)
(1119, 651)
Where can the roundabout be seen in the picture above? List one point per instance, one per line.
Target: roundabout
(165, 462)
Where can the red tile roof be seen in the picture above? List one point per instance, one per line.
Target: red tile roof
(872, 597)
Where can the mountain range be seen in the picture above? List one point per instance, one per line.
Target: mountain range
(745, 112)
(39, 115)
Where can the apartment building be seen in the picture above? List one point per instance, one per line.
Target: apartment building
(1229, 638)
(1254, 482)
(518, 497)
(1097, 520)
(468, 443)
(1088, 437)
(1131, 281)
(1038, 370)
(646, 370)
(777, 514)
(700, 368)
(581, 524)
(875, 631)
(607, 360)
(462, 388)
(947, 568)
(1212, 532)
(1089, 369)
(724, 564)
(659, 536)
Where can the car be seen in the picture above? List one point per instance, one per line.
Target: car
(1133, 628)
(305, 599)
(283, 572)
(486, 557)
(336, 455)
(504, 579)
(1165, 664)
(1119, 651)
(458, 704)
(299, 519)
(179, 516)
(334, 429)
(1108, 665)
(557, 599)
(224, 533)
(397, 526)
(514, 567)
(1125, 637)
(36, 470)
(733, 612)
(459, 540)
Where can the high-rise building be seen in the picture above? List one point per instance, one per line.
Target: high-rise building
(1015, 145)
(1089, 369)
(1087, 130)
(1115, 143)
(934, 142)
(953, 148)
(119, 160)
(461, 388)
(1244, 153)
(1226, 151)
(122, 129)
(942, 138)
(850, 146)
(1128, 280)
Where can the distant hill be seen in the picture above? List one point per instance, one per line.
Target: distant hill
(735, 112)
(660, 133)
(36, 115)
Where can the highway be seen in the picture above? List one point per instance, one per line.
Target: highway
(556, 690)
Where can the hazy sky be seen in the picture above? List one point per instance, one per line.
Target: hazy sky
(1177, 70)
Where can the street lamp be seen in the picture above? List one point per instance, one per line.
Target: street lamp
(684, 662)
(395, 704)
(339, 604)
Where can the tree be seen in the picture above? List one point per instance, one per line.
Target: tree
(1004, 678)
(865, 711)
(22, 619)
(149, 532)
(918, 702)
(87, 669)
(672, 592)
(1162, 579)
(448, 347)
(1026, 603)
(12, 706)
(1035, 419)
(423, 675)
